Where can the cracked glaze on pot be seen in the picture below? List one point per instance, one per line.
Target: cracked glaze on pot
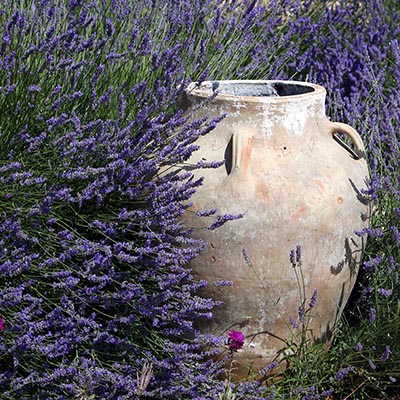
(296, 185)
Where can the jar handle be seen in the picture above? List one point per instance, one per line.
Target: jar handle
(241, 147)
(339, 127)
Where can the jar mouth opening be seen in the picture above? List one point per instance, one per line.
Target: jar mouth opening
(253, 89)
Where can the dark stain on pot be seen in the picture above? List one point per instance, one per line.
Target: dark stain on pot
(256, 89)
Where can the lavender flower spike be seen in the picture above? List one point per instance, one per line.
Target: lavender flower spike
(246, 257)
(314, 299)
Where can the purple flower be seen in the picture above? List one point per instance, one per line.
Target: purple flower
(294, 323)
(385, 292)
(34, 88)
(396, 235)
(2, 323)
(293, 258)
(372, 315)
(298, 254)
(222, 283)
(343, 372)
(109, 27)
(392, 263)
(222, 219)
(301, 314)
(76, 95)
(371, 364)
(236, 340)
(358, 347)
(246, 257)
(386, 354)
(372, 264)
(314, 299)
(268, 368)
(296, 257)
(10, 89)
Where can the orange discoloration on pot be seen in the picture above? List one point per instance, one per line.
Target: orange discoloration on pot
(246, 154)
(320, 184)
(262, 191)
(300, 212)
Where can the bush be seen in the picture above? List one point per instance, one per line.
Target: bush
(93, 269)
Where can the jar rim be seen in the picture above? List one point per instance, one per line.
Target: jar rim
(257, 91)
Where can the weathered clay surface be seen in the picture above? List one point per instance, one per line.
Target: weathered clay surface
(296, 186)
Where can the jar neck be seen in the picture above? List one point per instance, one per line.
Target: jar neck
(293, 115)
(266, 104)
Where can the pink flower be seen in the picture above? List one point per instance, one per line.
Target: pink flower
(1, 323)
(236, 340)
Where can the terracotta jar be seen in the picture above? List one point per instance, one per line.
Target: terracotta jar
(297, 184)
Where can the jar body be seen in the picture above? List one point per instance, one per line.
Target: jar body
(297, 187)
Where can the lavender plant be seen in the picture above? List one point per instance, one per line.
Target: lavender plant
(93, 274)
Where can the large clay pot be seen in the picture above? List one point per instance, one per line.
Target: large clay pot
(297, 185)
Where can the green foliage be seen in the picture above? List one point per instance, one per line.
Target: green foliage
(363, 361)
